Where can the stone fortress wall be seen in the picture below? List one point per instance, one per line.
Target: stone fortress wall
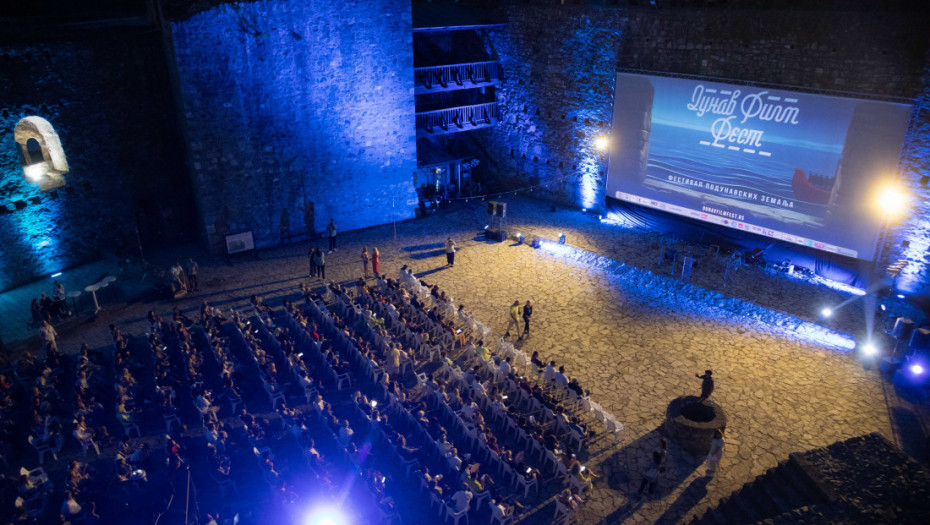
(560, 63)
(297, 112)
(106, 96)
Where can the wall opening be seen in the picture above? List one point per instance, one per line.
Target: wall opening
(44, 162)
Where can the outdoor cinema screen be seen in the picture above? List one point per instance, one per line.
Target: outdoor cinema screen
(791, 166)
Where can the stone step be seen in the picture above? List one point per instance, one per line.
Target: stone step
(785, 485)
(760, 499)
(711, 516)
(732, 511)
(780, 500)
(797, 470)
(744, 502)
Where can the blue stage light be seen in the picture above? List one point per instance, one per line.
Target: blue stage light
(628, 278)
(326, 516)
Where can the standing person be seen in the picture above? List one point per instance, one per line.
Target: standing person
(37, 314)
(450, 252)
(48, 335)
(192, 269)
(651, 477)
(58, 295)
(177, 273)
(514, 318)
(375, 261)
(331, 233)
(715, 454)
(312, 257)
(707, 384)
(320, 261)
(527, 313)
(365, 259)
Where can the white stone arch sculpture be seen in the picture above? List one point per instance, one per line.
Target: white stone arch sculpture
(48, 171)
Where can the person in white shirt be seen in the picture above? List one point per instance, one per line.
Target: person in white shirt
(345, 434)
(48, 335)
(205, 407)
(450, 252)
(560, 379)
(468, 411)
(549, 373)
(70, 508)
(505, 366)
(455, 460)
(331, 235)
(461, 500)
(58, 293)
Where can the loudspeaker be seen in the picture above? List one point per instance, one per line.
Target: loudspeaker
(492, 208)
(501, 209)
(903, 328)
(497, 235)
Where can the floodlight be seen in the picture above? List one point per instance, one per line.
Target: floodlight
(325, 516)
(891, 199)
(34, 172)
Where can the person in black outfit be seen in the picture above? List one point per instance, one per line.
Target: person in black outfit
(527, 313)
(707, 384)
(651, 477)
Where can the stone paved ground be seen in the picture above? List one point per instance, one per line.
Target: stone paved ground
(635, 351)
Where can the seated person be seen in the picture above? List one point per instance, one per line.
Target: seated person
(460, 500)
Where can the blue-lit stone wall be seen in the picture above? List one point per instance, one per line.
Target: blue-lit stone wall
(292, 102)
(108, 98)
(560, 62)
(556, 99)
(909, 235)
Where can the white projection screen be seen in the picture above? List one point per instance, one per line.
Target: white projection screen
(791, 166)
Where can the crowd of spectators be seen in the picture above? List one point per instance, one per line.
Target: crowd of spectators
(391, 383)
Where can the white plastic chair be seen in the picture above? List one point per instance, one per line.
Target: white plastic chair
(41, 449)
(562, 513)
(615, 427)
(454, 516)
(87, 443)
(482, 498)
(526, 485)
(342, 380)
(170, 419)
(274, 396)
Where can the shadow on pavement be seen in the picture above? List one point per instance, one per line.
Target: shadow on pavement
(685, 501)
(421, 247)
(428, 272)
(427, 255)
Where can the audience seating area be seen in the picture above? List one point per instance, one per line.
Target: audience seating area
(383, 400)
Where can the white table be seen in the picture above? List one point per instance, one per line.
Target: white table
(92, 289)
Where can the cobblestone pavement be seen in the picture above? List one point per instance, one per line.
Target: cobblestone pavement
(634, 351)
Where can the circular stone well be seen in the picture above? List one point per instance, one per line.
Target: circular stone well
(691, 423)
